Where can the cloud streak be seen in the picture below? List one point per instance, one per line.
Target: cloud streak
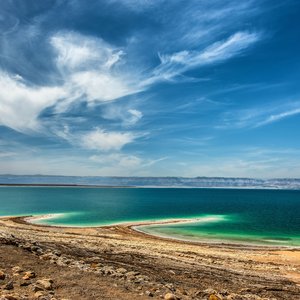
(278, 117)
(180, 62)
(260, 116)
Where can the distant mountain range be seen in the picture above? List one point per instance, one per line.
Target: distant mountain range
(199, 182)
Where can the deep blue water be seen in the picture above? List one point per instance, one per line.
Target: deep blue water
(236, 214)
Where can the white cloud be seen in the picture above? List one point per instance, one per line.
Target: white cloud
(21, 105)
(76, 51)
(127, 116)
(89, 68)
(278, 117)
(7, 154)
(226, 49)
(101, 140)
(259, 116)
(118, 159)
(97, 86)
(179, 62)
(87, 65)
(136, 115)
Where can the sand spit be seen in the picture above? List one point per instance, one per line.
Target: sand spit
(119, 262)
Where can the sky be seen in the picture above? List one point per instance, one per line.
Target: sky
(150, 88)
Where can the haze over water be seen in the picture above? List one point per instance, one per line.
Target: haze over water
(239, 215)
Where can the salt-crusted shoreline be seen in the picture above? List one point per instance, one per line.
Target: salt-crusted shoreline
(138, 227)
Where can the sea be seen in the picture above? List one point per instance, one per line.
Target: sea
(222, 215)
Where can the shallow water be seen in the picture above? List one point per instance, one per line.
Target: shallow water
(240, 215)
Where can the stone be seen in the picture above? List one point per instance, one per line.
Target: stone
(45, 283)
(94, 259)
(37, 288)
(149, 294)
(132, 273)
(121, 270)
(2, 275)
(170, 296)
(9, 286)
(47, 256)
(213, 297)
(209, 291)
(25, 283)
(28, 275)
(16, 270)
(94, 265)
(38, 295)
(11, 297)
(170, 286)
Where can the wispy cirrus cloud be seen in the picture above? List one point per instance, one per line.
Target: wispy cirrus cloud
(279, 116)
(89, 71)
(259, 116)
(180, 62)
(88, 67)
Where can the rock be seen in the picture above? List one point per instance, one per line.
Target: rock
(132, 273)
(25, 283)
(209, 291)
(45, 283)
(39, 294)
(57, 252)
(2, 275)
(11, 297)
(170, 286)
(94, 265)
(121, 270)
(170, 296)
(35, 249)
(28, 275)
(149, 294)
(94, 259)
(9, 286)
(47, 256)
(213, 297)
(107, 270)
(16, 270)
(37, 288)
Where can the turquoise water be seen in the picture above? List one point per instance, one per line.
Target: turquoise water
(258, 216)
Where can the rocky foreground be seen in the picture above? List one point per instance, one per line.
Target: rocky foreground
(117, 262)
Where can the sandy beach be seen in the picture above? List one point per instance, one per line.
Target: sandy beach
(119, 262)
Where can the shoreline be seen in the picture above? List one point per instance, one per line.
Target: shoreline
(136, 226)
(145, 186)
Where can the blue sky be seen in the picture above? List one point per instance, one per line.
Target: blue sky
(150, 88)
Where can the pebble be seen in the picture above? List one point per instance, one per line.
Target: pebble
(170, 296)
(28, 275)
(16, 270)
(11, 297)
(2, 275)
(121, 270)
(25, 283)
(149, 294)
(45, 283)
(9, 286)
(38, 295)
